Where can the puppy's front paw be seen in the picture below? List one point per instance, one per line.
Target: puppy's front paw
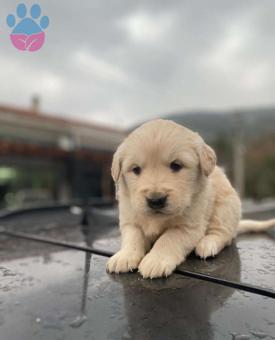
(207, 247)
(153, 266)
(123, 262)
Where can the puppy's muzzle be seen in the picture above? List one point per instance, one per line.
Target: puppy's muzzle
(156, 203)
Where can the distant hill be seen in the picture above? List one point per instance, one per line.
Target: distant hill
(254, 122)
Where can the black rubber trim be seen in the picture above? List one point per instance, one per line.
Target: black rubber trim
(241, 286)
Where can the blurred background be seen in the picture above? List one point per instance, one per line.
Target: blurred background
(106, 67)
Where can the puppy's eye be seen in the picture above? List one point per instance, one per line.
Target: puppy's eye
(136, 170)
(175, 166)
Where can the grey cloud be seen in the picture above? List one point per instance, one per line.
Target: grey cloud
(123, 61)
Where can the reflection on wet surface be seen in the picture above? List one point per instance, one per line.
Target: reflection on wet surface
(41, 300)
(82, 317)
(47, 292)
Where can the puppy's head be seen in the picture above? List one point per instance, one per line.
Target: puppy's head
(160, 167)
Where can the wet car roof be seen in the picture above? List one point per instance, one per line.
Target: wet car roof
(55, 292)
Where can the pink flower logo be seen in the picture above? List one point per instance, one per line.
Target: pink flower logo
(28, 34)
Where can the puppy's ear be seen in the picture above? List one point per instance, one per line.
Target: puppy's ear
(116, 168)
(208, 159)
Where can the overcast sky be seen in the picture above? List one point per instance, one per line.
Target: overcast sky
(119, 62)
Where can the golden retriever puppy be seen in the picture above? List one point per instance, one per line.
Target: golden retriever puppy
(172, 199)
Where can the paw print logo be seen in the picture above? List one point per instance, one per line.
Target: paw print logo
(28, 30)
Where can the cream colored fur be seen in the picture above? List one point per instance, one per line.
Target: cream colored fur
(203, 210)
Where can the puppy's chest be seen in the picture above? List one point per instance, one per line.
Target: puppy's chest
(152, 229)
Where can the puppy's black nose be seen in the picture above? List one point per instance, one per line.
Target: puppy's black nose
(156, 203)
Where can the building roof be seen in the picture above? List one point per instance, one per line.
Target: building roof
(41, 116)
(29, 125)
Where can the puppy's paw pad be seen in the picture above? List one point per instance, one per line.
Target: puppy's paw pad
(154, 267)
(123, 262)
(207, 247)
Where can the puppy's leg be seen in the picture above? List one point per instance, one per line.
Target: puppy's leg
(169, 251)
(133, 249)
(222, 227)
(211, 244)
